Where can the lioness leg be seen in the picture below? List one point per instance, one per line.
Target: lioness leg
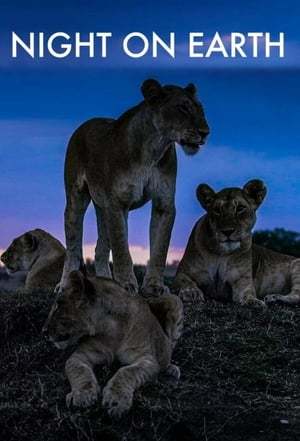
(115, 218)
(293, 298)
(79, 370)
(102, 248)
(118, 393)
(77, 203)
(162, 220)
(161, 224)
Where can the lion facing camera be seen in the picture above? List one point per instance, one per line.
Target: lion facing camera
(220, 261)
(39, 255)
(109, 324)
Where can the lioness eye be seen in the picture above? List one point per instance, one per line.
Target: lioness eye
(241, 209)
(183, 110)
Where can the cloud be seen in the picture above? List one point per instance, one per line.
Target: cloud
(33, 129)
(226, 163)
(224, 166)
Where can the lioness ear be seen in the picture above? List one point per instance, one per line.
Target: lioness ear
(205, 195)
(77, 281)
(151, 89)
(30, 241)
(191, 89)
(82, 288)
(89, 289)
(256, 191)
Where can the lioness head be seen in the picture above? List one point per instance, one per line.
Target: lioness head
(177, 114)
(22, 253)
(71, 315)
(231, 213)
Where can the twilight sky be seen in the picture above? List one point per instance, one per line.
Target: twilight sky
(252, 107)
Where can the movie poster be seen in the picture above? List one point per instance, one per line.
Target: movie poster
(149, 220)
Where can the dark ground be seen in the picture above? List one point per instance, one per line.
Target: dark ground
(240, 380)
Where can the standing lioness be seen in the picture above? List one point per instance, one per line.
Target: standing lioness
(120, 165)
(109, 324)
(220, 261)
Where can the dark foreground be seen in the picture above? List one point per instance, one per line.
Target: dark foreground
(240, 380)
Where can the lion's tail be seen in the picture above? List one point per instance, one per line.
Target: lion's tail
(168, 309)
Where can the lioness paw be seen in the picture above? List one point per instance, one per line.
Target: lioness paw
(82, 398)
(131, 288)
(256, 303)
(117, 401)
(191, 295)
(273, 298)
(173, 371)
(253, 302)
(154, 289)
(130, 285)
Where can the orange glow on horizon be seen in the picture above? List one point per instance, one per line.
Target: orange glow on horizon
(139, 254)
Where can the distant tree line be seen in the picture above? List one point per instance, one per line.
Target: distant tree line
(279, 239)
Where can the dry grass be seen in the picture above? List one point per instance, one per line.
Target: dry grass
(240, 380)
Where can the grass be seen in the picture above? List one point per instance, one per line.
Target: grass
(240, 380)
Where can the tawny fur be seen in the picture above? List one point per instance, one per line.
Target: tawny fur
(39, 255)
(109, 324)
(220, 261)
(120, 165)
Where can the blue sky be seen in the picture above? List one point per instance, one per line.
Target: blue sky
(252, 108)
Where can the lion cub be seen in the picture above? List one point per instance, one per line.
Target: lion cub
(220, 261)
(40, 255)
(109, 324)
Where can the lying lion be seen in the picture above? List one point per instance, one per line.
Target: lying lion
(220, 261)
(40, 255)
(115, 326)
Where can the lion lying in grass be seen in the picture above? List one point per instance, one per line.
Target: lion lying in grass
(109, 324)
(220, 261)
(40, 255)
